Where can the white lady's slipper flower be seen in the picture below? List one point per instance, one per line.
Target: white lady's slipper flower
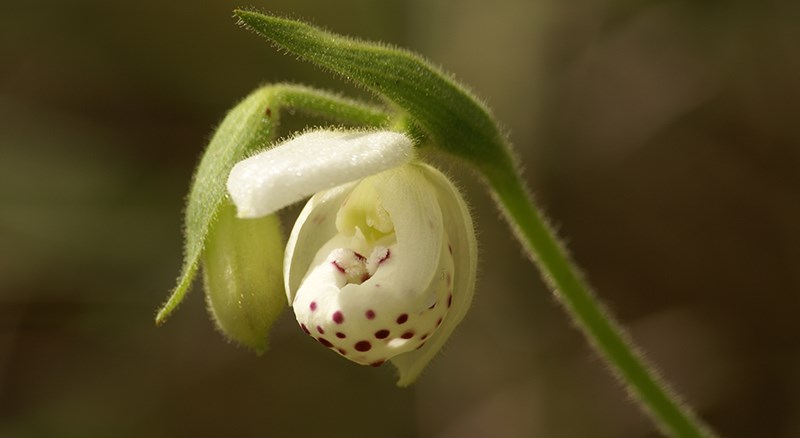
(380, 264)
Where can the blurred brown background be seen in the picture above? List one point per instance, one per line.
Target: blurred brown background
(662, 138)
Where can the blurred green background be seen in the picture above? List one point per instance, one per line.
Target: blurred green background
(661, 137)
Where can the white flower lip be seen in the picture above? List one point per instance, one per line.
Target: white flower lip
(406, 309)
(313, 161)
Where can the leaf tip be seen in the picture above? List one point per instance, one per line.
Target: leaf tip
(165, 311)
(177, 295)
(247, 17)
(161, 316)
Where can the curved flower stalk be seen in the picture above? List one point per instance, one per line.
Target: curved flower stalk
(379, 268)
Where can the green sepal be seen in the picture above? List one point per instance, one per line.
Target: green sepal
(243, 276)
(248, 126)
(453, 118)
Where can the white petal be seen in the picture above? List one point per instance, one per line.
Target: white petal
(315, 225)
(412, 205)
(308, 163)
(405, 300)
(465, 257)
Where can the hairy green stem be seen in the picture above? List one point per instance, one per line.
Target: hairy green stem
(325, 104)
(606, 336)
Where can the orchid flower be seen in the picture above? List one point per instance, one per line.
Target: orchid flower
(380, 264)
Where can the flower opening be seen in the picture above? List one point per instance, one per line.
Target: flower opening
(369, 294)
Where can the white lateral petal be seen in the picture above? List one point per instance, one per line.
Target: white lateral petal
(412, 205)
(314, 161)
(464, 248)
(315, 225)
(382, 295)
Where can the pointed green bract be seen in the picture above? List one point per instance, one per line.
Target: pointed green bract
(248, 127)
(455, 120)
